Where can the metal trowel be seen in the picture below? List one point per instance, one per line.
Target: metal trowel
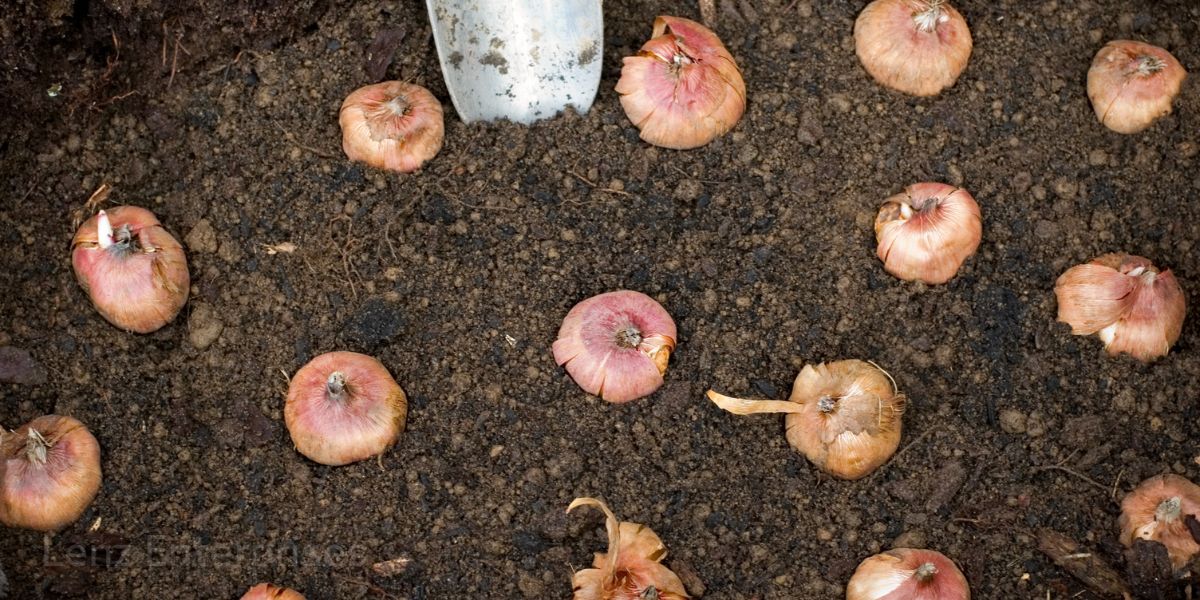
(521, 60)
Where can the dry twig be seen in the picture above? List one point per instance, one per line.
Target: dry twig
(1070, 471)
(1081, 564)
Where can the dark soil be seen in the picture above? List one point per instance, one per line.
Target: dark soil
(760, 245)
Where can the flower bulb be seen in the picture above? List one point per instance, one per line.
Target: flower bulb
(632, 568)
(266, 591)
(391, 125)
(908, 574)
(344, 407)
(1132, 84)
(926, 232)
(1158, 510)
(682, 89)
(49, 473)
(616, 345)
(1131, 305)
(133, 270)
(843, 416)
(918, 47)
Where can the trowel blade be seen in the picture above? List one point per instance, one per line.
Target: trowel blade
(522, 60)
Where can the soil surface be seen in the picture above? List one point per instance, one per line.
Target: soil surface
(759, 244)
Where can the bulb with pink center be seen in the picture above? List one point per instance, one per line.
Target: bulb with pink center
(133, 270)
(392, 125)
(267, 591)
(918, 47)
(49, 473)
(1126, 301)
(343, 407)
(1132, 84)
(683, 88)
(616, 345)
(927, 232)
(908, 574)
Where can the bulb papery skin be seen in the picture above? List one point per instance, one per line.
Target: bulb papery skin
(616, 345)
(343, 407)
(1157, 510)
(844, 416)
(927, 232)
(1132, 85)
(392, 125)
(49, 473)
(630, 568)
(918, 47)
(136, 274)
(683, 88)
(1132, 306)
(861, 432)
(908, 574)
(266, 591)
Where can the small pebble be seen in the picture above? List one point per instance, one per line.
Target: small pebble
(913, 538)
(1045, 229)
(202, 237)
(204, 326)
(1012, 421)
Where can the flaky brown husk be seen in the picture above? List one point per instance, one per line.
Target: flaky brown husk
(862, 431)
(632, 566)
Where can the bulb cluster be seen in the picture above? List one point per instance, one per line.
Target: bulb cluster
(682, 90)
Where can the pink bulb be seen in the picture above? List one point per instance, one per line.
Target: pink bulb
(344, 407)
(908, 574)
(683, 88)
(918, 47)
(1128, 303)
(616, 345)
(49, 473)
(1132, 84)
(926, 232)
(391, 125)
(266, 591)
(133, 270)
